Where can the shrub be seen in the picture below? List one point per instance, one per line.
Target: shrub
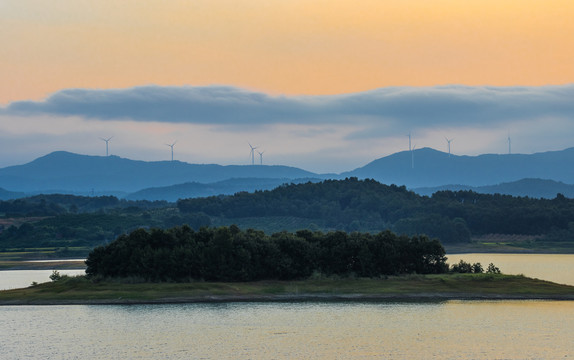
(492, 269)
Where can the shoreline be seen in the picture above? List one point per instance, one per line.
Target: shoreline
(414, 297)
(444, 287)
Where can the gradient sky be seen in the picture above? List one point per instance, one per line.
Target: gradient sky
(278, 50)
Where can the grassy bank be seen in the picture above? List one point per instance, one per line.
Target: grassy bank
(78, 290)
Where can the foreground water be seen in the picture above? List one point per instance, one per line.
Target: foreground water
(431, 330)
(444, 330)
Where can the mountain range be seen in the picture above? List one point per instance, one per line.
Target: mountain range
(429, 168)
(69, 172)
(423, 170)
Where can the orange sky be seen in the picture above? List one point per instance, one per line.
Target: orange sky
(282, 46)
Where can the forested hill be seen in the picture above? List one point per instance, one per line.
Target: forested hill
(368, 205)
(225, 187)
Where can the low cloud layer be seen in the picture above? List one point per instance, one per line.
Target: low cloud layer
(332, 133)
(385, 109)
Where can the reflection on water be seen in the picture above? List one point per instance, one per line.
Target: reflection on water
(551, 267)
(453, 329)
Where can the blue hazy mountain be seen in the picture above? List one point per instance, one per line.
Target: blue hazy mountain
(225, 187)
(430, 168)
(534, 188)
(69, 172)
(8, 195)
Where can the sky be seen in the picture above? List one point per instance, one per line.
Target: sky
(327, 86)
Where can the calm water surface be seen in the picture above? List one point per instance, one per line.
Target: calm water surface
(445, 330)
(15, 279)
(551, 267)
(431, 330)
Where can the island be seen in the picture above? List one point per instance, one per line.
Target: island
(181, 265)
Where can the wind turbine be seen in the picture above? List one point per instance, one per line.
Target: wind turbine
(509, 152)
(252, 153)
(260, 157)
(171, 146)
(413, 156)
(448, 141)
(107, 141)
(409, 135)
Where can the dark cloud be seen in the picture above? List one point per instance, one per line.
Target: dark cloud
(380, 110)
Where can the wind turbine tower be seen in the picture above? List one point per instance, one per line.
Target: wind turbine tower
(409, 135)
(171, 146)
(260, 157)
(252, 153)
(107, 141)
(413, 156)
(509, 148)
(448, 142)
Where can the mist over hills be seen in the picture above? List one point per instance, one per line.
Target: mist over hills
(423, 170)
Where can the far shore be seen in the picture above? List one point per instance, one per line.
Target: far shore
(58, 264)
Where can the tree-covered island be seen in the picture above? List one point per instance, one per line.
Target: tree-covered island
(230, 254)
(227, 264)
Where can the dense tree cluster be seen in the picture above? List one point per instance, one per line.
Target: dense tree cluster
(368, 205)
(230, 254)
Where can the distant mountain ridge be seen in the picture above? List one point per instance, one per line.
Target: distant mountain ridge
(534, 188)
(69, 173)
(430, 168)
(73, 172)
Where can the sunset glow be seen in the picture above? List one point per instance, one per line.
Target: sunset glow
(282, 47)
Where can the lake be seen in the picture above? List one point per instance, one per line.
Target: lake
(14, 279)
(314, 330)
(304, 330)
(557, 268)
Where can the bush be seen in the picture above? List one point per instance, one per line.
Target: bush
(56, 276)
(492, 269)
